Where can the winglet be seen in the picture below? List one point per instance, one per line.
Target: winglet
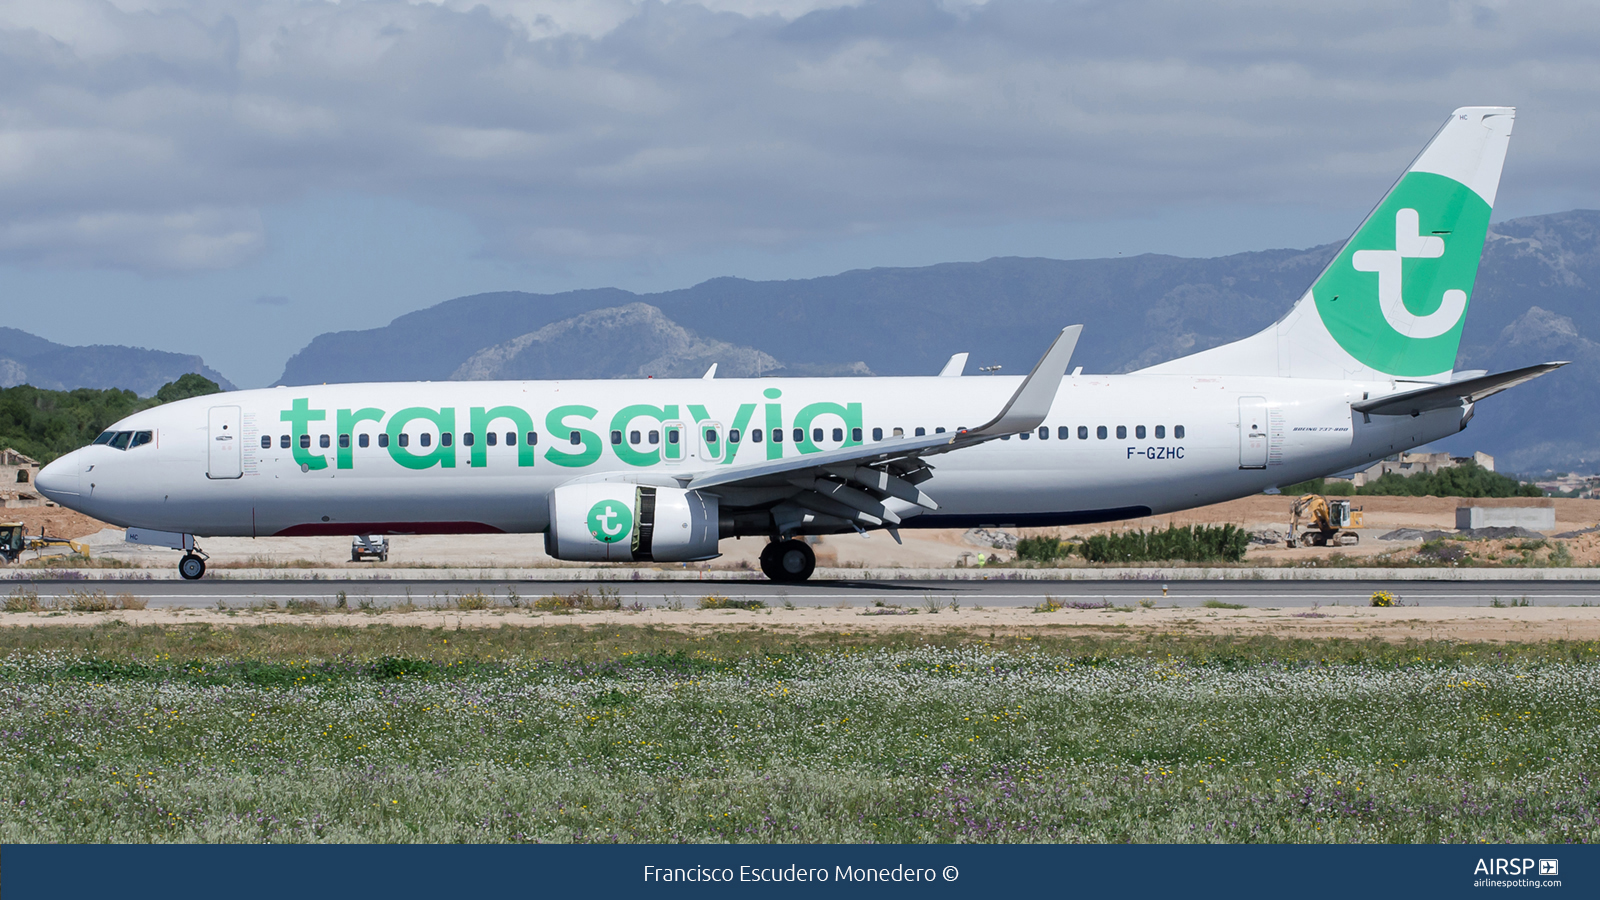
(1037, 393)
(956, 365)
(710, 373)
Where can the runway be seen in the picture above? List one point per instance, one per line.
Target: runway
(916, 594)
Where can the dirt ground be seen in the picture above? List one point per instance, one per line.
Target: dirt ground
(933, 548)
(1467, 624)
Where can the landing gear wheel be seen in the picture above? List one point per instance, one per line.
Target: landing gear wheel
(191, 567)
(788, 561)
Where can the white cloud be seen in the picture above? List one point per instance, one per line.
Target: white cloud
(143, 133)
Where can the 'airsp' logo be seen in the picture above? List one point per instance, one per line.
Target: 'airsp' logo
(1396, 297)
(610, 521)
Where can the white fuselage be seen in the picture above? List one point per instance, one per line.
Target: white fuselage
(233, 464)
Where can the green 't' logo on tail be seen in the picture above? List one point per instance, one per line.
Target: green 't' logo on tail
(610, 521)
(1396, 296)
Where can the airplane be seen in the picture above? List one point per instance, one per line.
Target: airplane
(660, 470)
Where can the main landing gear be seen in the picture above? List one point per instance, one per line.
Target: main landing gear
(788, 560)
(193, 565)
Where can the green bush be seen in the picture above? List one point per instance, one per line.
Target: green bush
(1193, 543)
(1043, 549)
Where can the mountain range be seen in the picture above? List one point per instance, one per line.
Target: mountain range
(1537, 298)
(29, 359)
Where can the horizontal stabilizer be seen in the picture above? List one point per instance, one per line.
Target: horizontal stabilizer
(1470, 390)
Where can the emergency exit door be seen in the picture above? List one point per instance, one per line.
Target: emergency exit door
(224, 444)
(1252, 432)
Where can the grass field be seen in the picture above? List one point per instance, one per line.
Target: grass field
(300, 733)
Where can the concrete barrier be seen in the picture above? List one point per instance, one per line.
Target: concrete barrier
(1532, 513)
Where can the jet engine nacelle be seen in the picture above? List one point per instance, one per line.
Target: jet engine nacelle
(618, 522)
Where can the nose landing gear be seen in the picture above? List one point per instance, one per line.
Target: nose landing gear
(193, 565)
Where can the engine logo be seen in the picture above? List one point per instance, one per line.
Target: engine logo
(610, 521)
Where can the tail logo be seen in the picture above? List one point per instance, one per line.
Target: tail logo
(1423, 244)
(1409, 244)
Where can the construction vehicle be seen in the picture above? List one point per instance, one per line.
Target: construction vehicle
(14, 540)
(1330, 522)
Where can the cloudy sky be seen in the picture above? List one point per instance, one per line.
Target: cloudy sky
(233, 178)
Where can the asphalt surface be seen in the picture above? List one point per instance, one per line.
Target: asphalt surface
(244, 594)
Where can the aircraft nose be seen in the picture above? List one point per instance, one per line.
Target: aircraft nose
(59, 479)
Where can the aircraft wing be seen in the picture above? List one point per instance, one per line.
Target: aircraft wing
(860, 484)
(1469, 390)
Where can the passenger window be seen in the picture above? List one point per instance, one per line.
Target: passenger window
(140, 438)
(467, 439)
(425, 439)
(672, 435)
(120, 442)
(266, 442)
(405, 439)
(491, 439)
(1025, 435)
(877, 434)
(1044, 432)
(445, 438)
(633, 438)
(344, 442)
(383, 439)
(1138, 432)
(655, 437)
(533, 438)
(1064, 433)
(577, 438)
(364, 440)
(511, 438)
(283, 442)
(305, 442)
(616, 437)
(1161, 432)
(939, 430)
(838, 434)
(1177, 432)
(733, 435)
(899, 432)
(1083, 432)
(711, 435)
(106, 436)
(1005, 437)
(756, 435)
(325, 443)
(1100, 432)
(777, 435)
(1122, 432)
(920, 432)
(800, 435)
(855, 435)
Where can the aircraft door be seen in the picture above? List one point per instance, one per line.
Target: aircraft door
(711, 440)
(224, 445)
(672, 445)
(1252, 432)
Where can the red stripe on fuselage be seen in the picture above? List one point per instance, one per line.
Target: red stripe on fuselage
(345, 529)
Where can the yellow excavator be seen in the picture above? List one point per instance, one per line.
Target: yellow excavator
(14, 539)
(1329, 522)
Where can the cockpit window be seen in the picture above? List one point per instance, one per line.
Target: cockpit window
(140, 438)
(120, 442)
(105, 437)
